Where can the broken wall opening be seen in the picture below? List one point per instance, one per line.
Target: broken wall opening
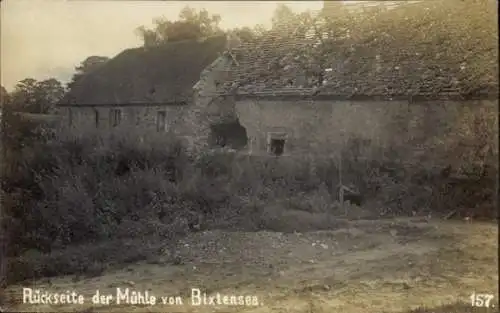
(228, 134)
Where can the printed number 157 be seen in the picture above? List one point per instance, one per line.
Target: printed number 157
(481, 299)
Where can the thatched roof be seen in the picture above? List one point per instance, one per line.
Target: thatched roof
(426, 48)
(163, 74)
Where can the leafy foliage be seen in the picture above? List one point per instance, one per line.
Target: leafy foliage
(287, 22)
(92, 188)
(190, 25)
(88, 65)
(32, 96)
(249, 34)
(4, 95)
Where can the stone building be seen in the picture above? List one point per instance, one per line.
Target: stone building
(155, 90)
(297, 95)
(283, 94)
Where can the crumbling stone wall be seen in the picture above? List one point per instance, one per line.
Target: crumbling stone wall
(410, 130)
(310, 126)
(208, 107)
(325, 127)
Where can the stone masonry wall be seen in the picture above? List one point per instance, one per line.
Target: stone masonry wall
(207, 105)
(311, 127)
(143, 118)
(191, 122)
(324, 127)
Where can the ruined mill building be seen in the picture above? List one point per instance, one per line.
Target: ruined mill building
(293, 92)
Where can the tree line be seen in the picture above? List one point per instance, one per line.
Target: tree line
(192, 24)
(41, 96)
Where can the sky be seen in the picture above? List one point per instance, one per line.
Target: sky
(41, 39)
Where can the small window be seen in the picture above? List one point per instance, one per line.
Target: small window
(96, 118)
(161, 125)
(115, 117)
(277, 146)
(276, 143)
(133, 117)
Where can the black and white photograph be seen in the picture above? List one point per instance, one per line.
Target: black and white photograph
(249, 156)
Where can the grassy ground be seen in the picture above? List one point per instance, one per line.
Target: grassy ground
(385, 265)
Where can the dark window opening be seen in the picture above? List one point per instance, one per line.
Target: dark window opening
(115, 117)
(277, 146)
(161, 121)
(231, 135)
(96, 116)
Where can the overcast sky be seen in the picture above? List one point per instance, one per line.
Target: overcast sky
(48, 38)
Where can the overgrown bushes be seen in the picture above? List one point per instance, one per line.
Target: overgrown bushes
(96, 188)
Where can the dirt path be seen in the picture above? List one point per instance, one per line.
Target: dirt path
(367, 266)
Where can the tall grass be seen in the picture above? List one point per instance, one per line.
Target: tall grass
(91, 188)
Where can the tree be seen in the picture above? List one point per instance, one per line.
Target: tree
(190, 25)
(247, 34)
(150, 37)
(288, 23)
(32, 96)
(29, 96)
(88, 65)
(179, 30)
(24, 95)
(208, 24)
(283, 17)
(49, 92)
(4, 96)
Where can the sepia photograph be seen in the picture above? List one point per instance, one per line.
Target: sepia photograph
(249, 156)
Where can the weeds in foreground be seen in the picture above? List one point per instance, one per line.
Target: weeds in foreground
(59, 192)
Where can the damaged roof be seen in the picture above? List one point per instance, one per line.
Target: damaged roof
(426, 48)
(162, 75)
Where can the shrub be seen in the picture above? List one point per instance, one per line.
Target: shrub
(77, 189)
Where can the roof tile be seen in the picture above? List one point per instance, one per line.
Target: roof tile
(437, 47)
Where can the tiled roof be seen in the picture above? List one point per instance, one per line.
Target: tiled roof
(425, 48)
